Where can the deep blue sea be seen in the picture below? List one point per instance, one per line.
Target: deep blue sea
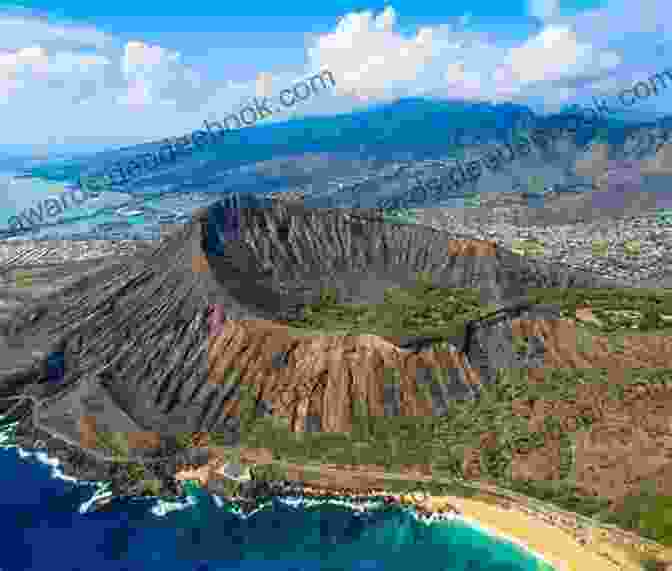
(46, 527)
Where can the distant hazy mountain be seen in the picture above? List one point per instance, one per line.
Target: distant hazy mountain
(419, 127)
(411, 129)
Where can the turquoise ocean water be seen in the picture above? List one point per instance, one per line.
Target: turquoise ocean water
(48, 526)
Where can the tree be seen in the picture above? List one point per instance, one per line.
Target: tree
(138, 325)
(649, 319)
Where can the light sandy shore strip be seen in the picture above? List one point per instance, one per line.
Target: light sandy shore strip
(546, 542)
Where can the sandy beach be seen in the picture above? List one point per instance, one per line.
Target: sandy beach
(546, 542)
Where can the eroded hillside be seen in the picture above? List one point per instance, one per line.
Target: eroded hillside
(338, 339)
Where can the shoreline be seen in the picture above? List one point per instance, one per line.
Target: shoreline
(544, 542)
(534, 537)
(556, 547)
(547, 543)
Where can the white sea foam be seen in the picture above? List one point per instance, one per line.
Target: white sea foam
(501, 537)
(7, 434)
(164, 507)
(304, 502)
(99, 495)
(53, 463)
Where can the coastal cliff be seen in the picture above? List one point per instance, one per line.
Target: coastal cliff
(212, 335)
(138, 326)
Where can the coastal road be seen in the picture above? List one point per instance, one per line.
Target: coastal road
(489, 489)
(478, 486)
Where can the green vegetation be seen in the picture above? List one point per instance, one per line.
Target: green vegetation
(616, 344)
(269, 473)
(431, 487)
(528, 247)
(632, 247)
(151, 487)
(420, 310)
(360, 420)
(600, 247)
(616, 308)
(563, 495)
(230, 487)
(442, 441)
(562, 384)
(649, 319)
(218, 438)
(385, 441)
(651, 565)
(183, 440)
(136, 473)
(23, 278)
(566, 455)
(115, 443)
(520, 345)
(248, 403)
(391, 376)
(647, 512)
(584, 339)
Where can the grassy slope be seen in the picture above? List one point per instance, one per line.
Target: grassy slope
(421, 310)
(440, 442)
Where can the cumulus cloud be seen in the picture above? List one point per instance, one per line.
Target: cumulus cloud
(367, 55)
(555, 53)
(147, 69)
(375, 62)
(99, 85)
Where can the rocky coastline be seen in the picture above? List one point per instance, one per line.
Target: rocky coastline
(76, 463)
(137, 306)
(482, 338)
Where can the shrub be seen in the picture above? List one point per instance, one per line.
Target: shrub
(632, 247)
(152, 486)
(183, 439)
(600, 247)
(649, 319)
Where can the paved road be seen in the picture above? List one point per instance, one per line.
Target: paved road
(477, 486)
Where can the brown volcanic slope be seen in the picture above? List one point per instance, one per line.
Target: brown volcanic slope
(322, 376)
(630, 440)
(139, 356)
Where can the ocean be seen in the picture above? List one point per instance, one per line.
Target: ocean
(48, 526)
(110, 215)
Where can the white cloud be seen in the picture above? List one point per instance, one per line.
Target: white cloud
(140, 58)
(556, 53)
(15, 30)
(98, 85)
(368, 56)
(264, 84)
(375, 62)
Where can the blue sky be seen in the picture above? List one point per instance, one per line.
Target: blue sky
(80, 75)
